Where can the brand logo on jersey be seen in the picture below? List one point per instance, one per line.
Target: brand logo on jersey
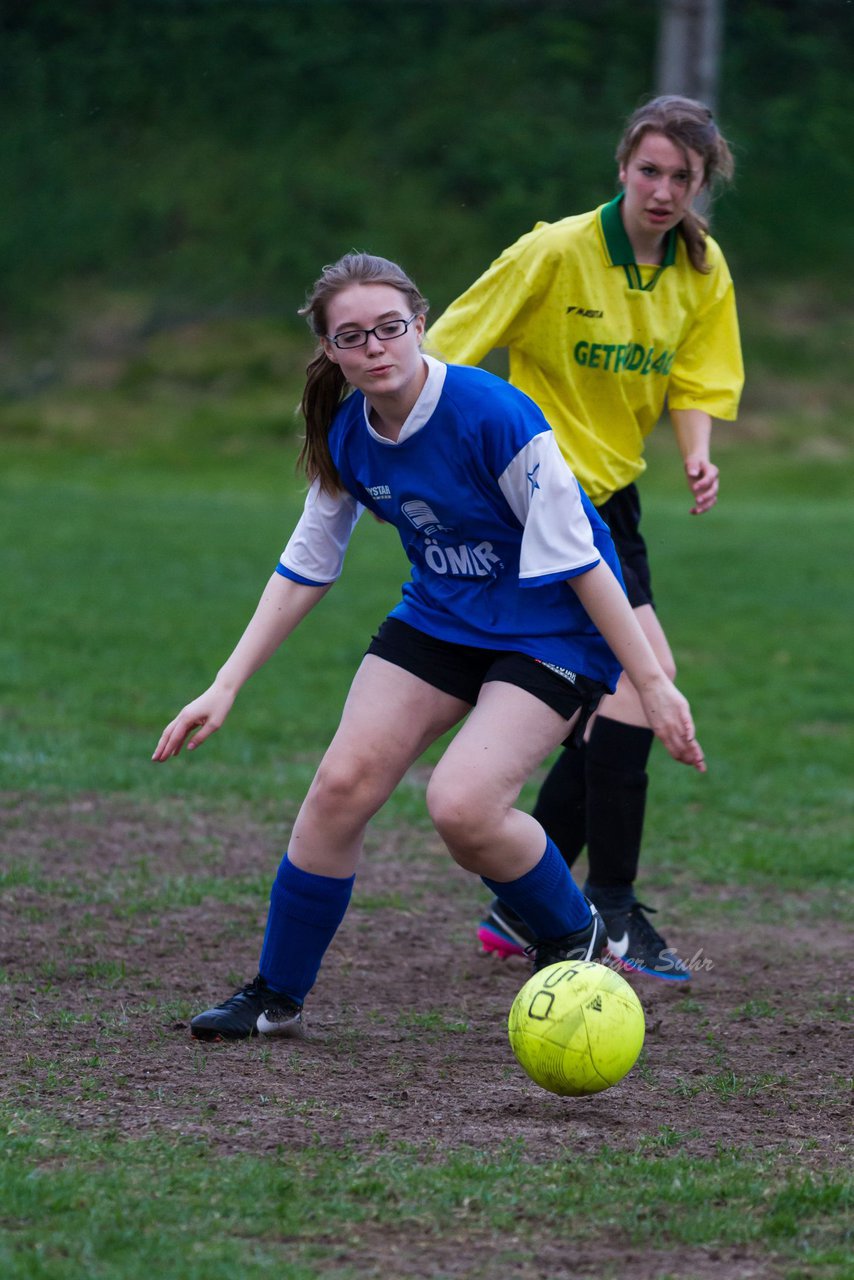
(563, 672)
(422, 516)
(585, 313)
(379, 492)
(623, 357)
(532, 479)
(463, 561)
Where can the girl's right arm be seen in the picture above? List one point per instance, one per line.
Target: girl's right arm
(283, 605)
(667, 711)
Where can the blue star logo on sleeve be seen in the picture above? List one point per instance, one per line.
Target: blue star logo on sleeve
(532, 479)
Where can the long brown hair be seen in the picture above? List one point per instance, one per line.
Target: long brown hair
(688, 124)
(325, 384)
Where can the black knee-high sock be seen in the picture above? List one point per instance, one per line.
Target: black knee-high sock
(617, 756)
(560, 805)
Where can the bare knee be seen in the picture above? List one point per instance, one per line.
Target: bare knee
(459, 819)
(446, 807)
(346, 786)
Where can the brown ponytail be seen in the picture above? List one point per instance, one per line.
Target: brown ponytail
(325, 384)
(693, 229)
(689, 125)
(325, 388)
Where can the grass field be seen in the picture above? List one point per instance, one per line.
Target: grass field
(137, 531)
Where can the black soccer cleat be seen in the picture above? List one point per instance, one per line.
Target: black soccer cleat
(634, 944)
(253, 1010)
(584, 944)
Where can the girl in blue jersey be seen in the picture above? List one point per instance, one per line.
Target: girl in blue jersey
(512, 624)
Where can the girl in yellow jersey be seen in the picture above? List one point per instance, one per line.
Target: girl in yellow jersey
(609, 317)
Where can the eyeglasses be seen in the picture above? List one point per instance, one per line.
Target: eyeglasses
(358, 337)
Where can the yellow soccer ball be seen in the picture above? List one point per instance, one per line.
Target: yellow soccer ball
(576, 1027)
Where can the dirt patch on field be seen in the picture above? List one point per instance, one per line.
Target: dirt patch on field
(118, 924)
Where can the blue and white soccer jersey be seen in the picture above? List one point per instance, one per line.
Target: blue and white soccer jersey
(490, 516)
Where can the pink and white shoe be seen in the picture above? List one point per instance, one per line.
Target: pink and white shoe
(502, 933)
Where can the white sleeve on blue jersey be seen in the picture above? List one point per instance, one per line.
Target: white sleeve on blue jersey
(316, 548)
(543, 494)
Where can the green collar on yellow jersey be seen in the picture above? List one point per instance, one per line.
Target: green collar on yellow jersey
(620, 250)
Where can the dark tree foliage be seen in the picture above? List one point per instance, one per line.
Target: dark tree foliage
(218, 153)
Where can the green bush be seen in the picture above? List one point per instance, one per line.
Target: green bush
(216, 154)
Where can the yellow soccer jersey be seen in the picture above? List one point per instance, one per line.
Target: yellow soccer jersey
(600, 343)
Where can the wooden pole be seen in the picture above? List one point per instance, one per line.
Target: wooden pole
(689, 46)
(689, 53)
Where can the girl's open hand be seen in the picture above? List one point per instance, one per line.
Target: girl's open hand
(670, 719)
(205, 714)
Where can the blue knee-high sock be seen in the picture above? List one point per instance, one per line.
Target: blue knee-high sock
(305, 911)
(547, 898)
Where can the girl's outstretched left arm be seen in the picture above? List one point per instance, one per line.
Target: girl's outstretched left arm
(667, 710)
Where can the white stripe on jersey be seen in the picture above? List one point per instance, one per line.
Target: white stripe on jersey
(544, 497)
(317, 545)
